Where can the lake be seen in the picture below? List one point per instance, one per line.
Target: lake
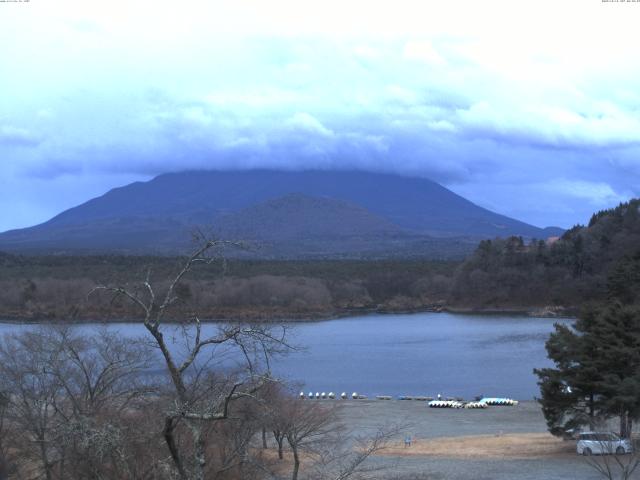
(413, 354)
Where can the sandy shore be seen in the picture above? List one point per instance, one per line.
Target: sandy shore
(498, 446)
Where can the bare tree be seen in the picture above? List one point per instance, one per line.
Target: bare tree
(197, 401)
(612, 463)
(4, 453)
(233, 446)
(102, 381)
(67, 396)
(308, 424)
(318, 441)
(274, 415)
(344, 457)
(32, 395)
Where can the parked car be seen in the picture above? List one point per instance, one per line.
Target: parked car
(602, 443)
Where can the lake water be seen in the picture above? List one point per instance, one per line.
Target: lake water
(413, 354)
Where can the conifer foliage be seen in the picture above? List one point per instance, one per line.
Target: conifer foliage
(597, 362)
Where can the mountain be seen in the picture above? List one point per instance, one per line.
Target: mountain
(336, 211)
(296, 215)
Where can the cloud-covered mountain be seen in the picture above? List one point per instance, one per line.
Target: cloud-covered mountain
(536, 127)
(285, 213)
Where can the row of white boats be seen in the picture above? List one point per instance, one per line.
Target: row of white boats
(433, 403)
(482, 403)
(332, 395)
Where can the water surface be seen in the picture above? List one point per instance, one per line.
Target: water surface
(413, 354)
(422, 354)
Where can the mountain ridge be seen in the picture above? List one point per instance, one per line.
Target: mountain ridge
(165, 208)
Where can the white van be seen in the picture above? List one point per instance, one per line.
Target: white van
(602, 443)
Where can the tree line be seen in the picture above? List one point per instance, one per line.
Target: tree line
(574, 269)
(42, 288)
(511, 273)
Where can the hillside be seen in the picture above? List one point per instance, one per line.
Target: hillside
(296, 215)
(333, 213)
(586, 264)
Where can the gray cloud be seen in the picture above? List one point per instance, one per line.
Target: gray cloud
(521, 131)
(18, 137)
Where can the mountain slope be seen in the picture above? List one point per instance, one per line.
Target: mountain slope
(157, 215)
(297, 216)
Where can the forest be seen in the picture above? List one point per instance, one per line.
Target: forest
(553, 276)
(55, 288)
(569, 272)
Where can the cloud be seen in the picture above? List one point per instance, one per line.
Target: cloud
(308, 124)
(596, 193)
(422, 51)
(480, 102)
(600, 125)
(18, 137)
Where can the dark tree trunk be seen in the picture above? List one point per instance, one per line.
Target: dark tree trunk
(169, 426)
(626, 423)
(45, 459)
(296, 463)
(264, 438)
(280, 441)
(199, 454)
(4, 471)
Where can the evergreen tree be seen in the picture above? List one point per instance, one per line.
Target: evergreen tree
(597, 370)
(623, 282)
(568, 392)
(617, 333)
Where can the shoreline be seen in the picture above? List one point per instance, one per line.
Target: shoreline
(540, 312)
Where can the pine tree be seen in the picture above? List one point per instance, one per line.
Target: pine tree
(623, 282)
(569, 397)
(617, 332)
(597, 370)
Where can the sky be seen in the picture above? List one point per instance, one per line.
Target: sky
(529, 108)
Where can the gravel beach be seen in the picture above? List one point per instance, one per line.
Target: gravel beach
(429, 426)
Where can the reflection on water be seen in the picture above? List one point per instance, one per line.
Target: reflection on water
(422, 354)
(414, 354)
(517, 337)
